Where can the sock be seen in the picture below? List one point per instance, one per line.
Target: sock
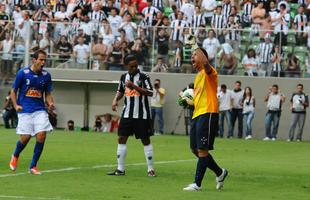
(38, 148)
(19, 148)
(213, 165)
(121, 155)
(201, 170)
(148, 151)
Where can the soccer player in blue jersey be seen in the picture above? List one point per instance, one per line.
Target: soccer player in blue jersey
(31, 90)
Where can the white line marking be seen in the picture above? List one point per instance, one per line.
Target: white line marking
(32, 198)
(94, 167)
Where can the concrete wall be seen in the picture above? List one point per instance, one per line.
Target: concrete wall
(70, 97)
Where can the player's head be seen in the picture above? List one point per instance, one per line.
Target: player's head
(131, 63)
(300, 88)
(39, 59)
(238, 85)
(199, 58)
(275, 88)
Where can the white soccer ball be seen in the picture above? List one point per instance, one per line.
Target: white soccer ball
(188, 95)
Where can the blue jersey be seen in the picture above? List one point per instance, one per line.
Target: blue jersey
(31, 89)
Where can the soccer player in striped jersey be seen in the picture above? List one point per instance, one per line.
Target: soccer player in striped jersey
(204, 125)
(136, 87)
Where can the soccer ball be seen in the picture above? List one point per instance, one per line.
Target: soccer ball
(186, 98)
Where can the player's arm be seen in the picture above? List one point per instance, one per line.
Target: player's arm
(17, 107)
(119, 94)
(143, 91)
(49, 101)
(208, 67)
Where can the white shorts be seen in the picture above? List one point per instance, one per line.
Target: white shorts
(33, 123)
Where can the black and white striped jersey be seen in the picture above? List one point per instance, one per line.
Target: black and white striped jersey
(264, 50)
(158, 3)
(149, 14)
(218, 21)
(97, 16)
(177, 29)
(136, 105)
(198, 20)
(39, 3)
(233, 33)
(226, 9)
(300, 22)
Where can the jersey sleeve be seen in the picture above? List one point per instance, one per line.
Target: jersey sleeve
(18, 80)
(49, 85)
(148, 84)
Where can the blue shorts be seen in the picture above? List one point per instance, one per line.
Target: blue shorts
(203, 131)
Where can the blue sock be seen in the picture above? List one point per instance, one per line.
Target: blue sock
(19, 148)
(201, 170)
(38, 148)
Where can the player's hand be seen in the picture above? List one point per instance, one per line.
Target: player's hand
(114, 105)
(51, 107)
(130, 85)
(18, 108)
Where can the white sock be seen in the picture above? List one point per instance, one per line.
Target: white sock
(121, 155)
(148, 151)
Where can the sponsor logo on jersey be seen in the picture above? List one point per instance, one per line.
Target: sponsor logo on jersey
(31, 92)
(131, 93)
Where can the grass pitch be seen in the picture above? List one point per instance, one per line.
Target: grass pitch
(75, 166)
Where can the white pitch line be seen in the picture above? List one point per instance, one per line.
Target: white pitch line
(32, 198)
(94, 167)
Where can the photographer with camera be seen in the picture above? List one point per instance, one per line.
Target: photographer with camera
(157, 102)
(299, 103)
(9, 113)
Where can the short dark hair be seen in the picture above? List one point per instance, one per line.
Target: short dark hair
(275, 85)
(223, 86)
(37, 53)
(301, 85)
(129, 58)
(283, 5)
(238, 82)
(70, 122)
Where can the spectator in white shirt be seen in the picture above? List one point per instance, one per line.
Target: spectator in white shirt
(225, 106)
(281, 29)
(81, 54)
(250, 63)
(115, 22)
(189, 10)
(211, 45)
(59, 16)
(209, 7)
(248, 103)
(129, 27)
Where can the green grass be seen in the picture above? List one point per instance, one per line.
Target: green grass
(258, 170)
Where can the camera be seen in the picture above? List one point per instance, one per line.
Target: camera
(156, 85)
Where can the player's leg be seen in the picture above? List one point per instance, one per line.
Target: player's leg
(24, 129)
(301, 123)
(20, 145)
(38, 148)
(41, 126)
(292, 127)
(124, 131)
(148, 152)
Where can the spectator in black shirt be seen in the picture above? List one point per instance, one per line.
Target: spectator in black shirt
(163, 45)
(9, 113)
(28, 6)
(64, 49)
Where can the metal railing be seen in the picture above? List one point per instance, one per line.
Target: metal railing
(293, 58)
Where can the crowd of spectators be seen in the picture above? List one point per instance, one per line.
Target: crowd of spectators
(258, 38)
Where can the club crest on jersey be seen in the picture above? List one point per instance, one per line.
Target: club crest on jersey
(31, 92)
(26, 71)
(131, 93)
(44, 73)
